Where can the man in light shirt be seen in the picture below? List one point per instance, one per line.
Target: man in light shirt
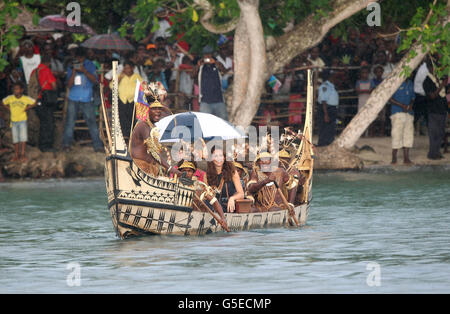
(29, 61)
(420, 103)
(327, 109)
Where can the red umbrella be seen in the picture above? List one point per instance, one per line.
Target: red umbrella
(60, 22)
(107, 41)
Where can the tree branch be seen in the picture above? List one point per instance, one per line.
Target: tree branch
(208, 14)
(310, 32)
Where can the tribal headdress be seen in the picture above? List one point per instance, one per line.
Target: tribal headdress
(148, 96)
(288, 138)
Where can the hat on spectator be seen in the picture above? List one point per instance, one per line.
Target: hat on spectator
(72, 46)
(150, 46)
(28, 42)
(184, 45)
(56, 36)
(207, 50)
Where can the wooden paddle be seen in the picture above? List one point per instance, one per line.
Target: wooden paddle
(286, 203)
(218, 219)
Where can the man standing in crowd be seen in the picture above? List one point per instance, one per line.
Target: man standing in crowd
(328, 103)
(48, 97)
(420, 104)
(437, 111)
(227, 63)
(210, 84)
(81, 78)
(29, 60)
(402, 119)
(381, 59)
(364, 87)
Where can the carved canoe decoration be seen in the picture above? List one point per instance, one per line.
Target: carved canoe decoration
(141, 204)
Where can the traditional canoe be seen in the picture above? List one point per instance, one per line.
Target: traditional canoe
(141, 204)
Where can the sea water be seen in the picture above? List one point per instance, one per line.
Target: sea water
(367, 232)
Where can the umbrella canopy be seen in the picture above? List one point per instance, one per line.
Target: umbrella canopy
(107, 41)
(59, 22)
(190, 126)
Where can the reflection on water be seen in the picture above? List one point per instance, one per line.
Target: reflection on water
(399, 220)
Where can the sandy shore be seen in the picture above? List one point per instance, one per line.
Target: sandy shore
(382, 154)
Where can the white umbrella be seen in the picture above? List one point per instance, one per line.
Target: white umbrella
(190, 126)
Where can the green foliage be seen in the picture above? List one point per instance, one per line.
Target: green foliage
(101, 15)
(430, 34)
(79, 38)
(10, 34)
(275, 16)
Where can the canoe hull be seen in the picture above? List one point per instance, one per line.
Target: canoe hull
(136, 220)
(142, 205)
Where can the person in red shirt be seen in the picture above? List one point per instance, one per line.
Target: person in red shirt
(296, 106)
(48, 101)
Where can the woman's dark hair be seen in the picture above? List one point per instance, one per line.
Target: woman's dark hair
(228, 170)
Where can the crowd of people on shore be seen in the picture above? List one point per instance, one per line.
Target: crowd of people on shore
(48, 67)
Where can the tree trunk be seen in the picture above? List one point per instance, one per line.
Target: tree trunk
(241, 56)
(248, 105)
(208, 14)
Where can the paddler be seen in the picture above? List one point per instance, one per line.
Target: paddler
(266, 183)
(296, 178)
(205, 194)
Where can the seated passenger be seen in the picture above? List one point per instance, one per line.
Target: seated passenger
(203, 191)
(297, 179)
(197, 173)
(145, 148)
(222, 176)
(266, 193)
(284, 157)
(184, 155)
(243, 173)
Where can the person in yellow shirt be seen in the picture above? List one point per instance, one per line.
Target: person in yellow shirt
(127, 86)
(18, 104)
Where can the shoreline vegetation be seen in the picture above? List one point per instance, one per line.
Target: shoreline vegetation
(83, 162)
